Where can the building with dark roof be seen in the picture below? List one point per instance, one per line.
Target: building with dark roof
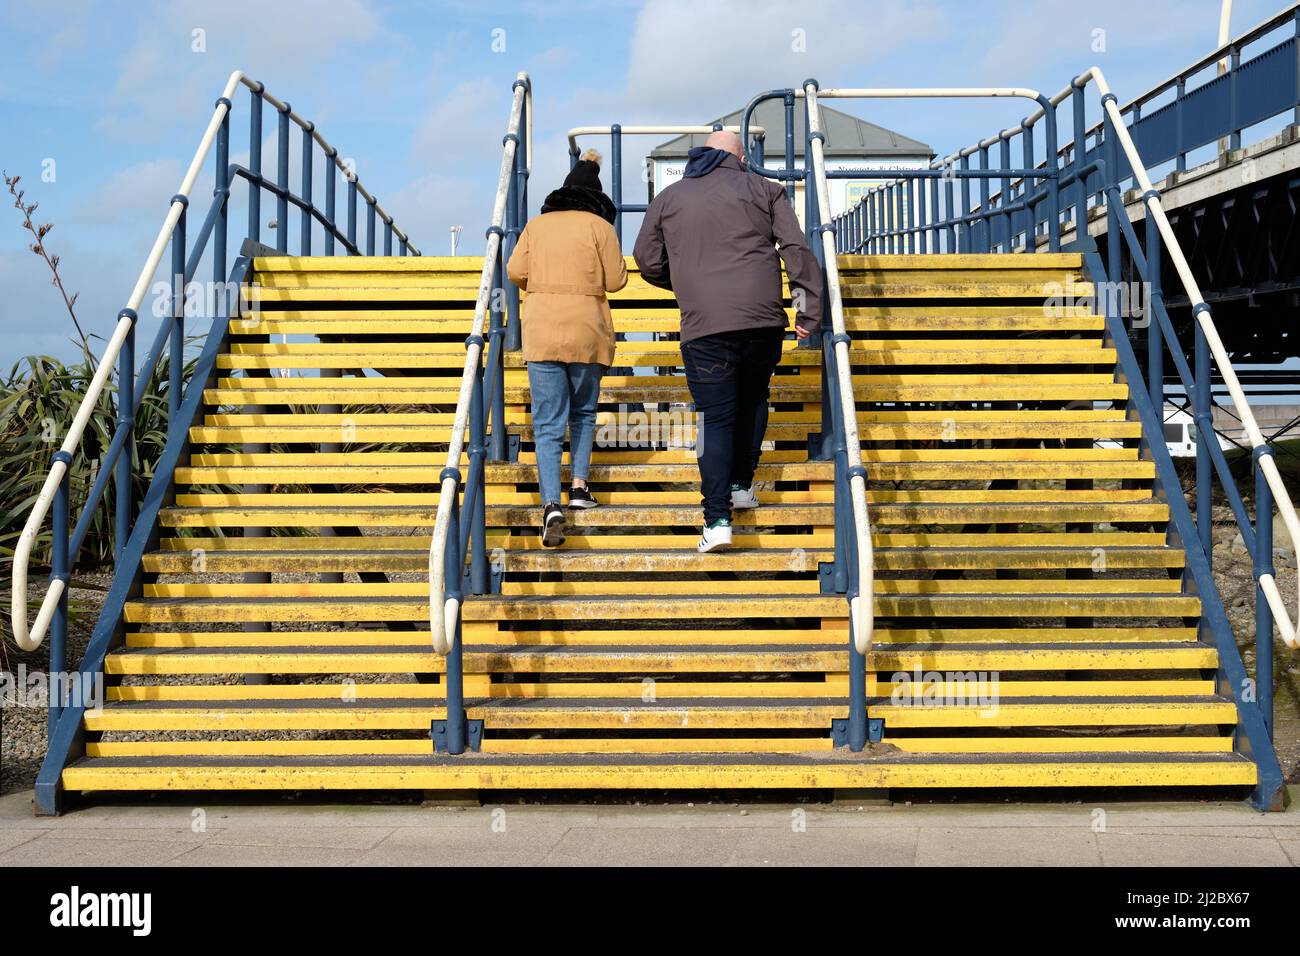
(851, 143)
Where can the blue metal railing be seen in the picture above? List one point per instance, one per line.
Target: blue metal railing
(135, 526)
(458, 558)
(903, 215)
(617, 132)
(881, 224)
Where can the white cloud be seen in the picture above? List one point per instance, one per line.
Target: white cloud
(131, 191)
(691, 60)
(162, 76)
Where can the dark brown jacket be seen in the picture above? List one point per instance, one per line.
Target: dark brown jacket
(714, 240)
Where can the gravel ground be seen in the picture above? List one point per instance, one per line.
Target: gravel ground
(23, 728)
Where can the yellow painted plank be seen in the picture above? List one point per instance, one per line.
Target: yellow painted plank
(888, 658)
(420, 748)
(814, 775)
(1089, 714)
(944, 262)
(1099, 744)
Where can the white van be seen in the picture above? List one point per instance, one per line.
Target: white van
(1180, 433)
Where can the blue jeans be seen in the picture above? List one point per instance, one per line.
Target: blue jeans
(728, 375)
(563, 393)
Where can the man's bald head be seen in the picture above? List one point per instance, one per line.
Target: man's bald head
(722, 139)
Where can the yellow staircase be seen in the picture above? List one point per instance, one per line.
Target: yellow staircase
(1031, 623)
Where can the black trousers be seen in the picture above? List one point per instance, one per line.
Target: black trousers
(728, 375)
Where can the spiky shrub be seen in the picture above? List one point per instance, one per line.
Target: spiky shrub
(38, 400)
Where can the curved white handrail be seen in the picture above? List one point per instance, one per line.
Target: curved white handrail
(443, 614)
(861, 607)
(31, 639)
(649, 131)
(1286, 624)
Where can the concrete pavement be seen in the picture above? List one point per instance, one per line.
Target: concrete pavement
(282, 833)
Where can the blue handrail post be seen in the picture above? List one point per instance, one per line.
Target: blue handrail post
(909, 214)
(1154, 301)
(984, 237)
(1180, 93)
(964, 237)
(370, 226)
(1234, 71)
(1050, 159)
(455, 689)
(509, 238)
(255, 163)
(809, 205)
(388, 237)
(1114, 241)
(950, 230)
(331, 176)
(475, 487)
(1263, 613)
(123, 506)
(1078, 103)
(221, 192)
(789, 144)
(1004, 158)
(60, 570)
(176, 350)
(1203, 416)
(352, 213)
(304, 237)
(616, 176)
(282, 180)
(900, 226)
(497, 344)
(523, 163)
(858, 725)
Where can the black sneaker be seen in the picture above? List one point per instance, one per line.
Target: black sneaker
(581, 498)
(552, 525)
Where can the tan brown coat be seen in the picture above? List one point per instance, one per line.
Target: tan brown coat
(565, 262)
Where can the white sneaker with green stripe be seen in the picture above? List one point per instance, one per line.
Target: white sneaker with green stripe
(716, 536)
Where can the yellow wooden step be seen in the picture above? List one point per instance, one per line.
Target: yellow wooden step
(342, 265)
(883, 515)
(867, 285)
(1092, 713)
(421, 659)
(974, 261)
(392, 391)
(515, 714)
(538, 609)
(975, 319)
(659, 773)
(420, 748)
(417, 748)
(868, 353)
(648, 562)
(449, 325)
(487, 608)
(488, 634)
(419, 516)
(1040, 657)
(200, 546)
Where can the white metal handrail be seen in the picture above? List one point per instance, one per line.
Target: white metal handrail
(861, 608)
(443, 614)
(30, 639)
(1286, 624)
(650, 131)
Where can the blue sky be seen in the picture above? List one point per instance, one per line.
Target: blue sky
(417, 93)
